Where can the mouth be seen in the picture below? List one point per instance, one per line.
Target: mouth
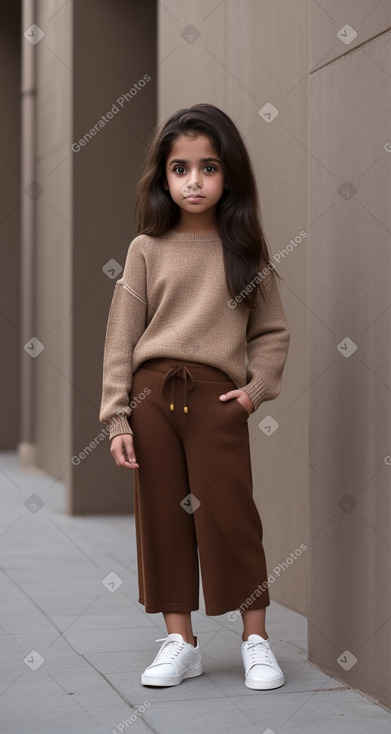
(192, 197)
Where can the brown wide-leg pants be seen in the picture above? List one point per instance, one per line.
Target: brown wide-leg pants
(193, 492)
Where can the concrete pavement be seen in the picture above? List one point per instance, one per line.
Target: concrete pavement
(74, 639)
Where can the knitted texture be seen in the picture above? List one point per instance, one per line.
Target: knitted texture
(173, 301)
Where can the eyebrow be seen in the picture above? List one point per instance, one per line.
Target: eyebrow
(201, 160)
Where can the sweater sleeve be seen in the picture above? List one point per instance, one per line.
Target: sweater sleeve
(268, 338)
(125, 325)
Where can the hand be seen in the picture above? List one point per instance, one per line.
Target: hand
(241, 397)
(122, 450)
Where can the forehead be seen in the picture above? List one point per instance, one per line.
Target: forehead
(192, 148)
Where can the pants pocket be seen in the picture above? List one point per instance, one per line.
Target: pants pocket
(241, 407)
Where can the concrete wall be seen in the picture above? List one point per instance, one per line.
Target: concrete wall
(322, 478)
(349, 312)
(92, 53)
(53, 240)
(240, 56)
(105, 175)
(10, 337)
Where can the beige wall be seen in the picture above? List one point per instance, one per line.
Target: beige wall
(349, 297)
(92, 53)
(248, 54)
(322, 478)
(105, 175)
(54, 241)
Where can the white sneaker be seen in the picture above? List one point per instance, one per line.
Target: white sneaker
(175, 661)
(262, 670)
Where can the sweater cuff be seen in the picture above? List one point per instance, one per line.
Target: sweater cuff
(256, 392)
(118, 426)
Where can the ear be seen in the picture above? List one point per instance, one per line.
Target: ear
(165, 185)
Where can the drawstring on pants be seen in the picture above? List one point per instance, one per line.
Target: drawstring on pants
(179, 370)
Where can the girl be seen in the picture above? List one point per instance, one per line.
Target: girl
(198, 296)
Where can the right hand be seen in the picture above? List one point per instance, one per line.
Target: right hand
(123, 452)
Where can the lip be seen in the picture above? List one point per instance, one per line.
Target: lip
(194, 198)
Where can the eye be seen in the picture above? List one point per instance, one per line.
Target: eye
(209, 168)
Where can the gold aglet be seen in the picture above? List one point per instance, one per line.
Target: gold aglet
(185, 409)
(172, 406)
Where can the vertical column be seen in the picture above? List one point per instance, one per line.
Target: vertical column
(349, 321)
(114, 97)
(10, 293)
(94, 111)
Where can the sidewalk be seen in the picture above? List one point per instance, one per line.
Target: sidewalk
(73, 648)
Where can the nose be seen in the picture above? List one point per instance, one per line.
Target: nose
(194, 178)
(193, 183)
(193, 188)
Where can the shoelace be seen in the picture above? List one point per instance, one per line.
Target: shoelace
(259, 652)
(169, 650)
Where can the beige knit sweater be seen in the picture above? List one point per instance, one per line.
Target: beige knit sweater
(172, 301)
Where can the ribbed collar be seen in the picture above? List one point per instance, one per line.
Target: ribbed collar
(192, 236)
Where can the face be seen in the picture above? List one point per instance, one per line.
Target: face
(194, 176)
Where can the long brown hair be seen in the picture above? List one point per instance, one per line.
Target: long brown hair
(238, 211)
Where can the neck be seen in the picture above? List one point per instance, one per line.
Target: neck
(194, 223)
(194, 231)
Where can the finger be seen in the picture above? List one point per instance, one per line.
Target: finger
(124, 455)
(128, 455)
(229, 395)
(126, 464)
(123, 461)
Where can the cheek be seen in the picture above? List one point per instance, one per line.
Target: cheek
(173, 184)
(219, 185)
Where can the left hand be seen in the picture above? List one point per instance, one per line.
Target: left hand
(242, 398)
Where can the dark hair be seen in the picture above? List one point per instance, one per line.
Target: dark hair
(238, 210)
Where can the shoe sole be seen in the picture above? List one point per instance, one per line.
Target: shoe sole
(265, 685)
(173, 680)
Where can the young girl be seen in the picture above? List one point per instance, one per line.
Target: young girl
(198, 296)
